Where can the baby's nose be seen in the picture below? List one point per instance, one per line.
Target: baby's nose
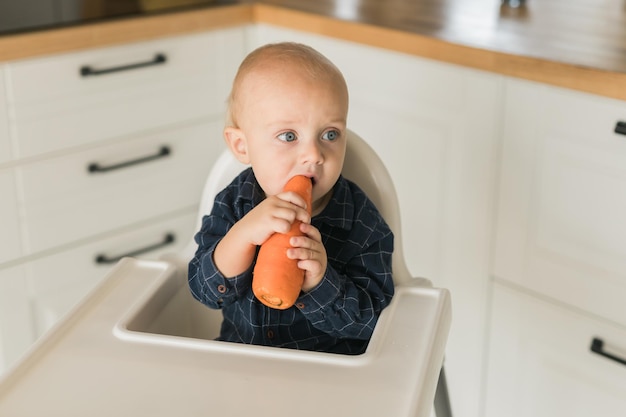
(312, 153)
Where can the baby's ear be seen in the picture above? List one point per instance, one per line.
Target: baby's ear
(236, 141)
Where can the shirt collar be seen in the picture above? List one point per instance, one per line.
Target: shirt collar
(250, 189)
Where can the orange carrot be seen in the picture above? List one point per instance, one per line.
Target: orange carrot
(277, 280)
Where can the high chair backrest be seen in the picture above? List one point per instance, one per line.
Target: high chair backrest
(362, 165)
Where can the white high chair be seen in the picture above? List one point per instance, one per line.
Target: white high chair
(139, 344)
(363, 166)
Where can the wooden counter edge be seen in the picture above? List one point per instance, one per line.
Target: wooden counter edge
(116, 32)
(34, 44)
(595, 81)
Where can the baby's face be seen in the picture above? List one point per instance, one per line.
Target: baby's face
(294, 125)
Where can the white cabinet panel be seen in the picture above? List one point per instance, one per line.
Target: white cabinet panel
(56, 215)
(435, 127)
(5, 148)
(561, 230)
(541, 365)
(35, 295)
(55, 107)
(10, 242)
(59, 281)
(16, 330)
(64, 202)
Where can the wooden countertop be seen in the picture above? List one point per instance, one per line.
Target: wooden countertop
(577, 44)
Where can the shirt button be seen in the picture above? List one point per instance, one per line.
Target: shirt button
(221, 289)
(300, 305)
(270, 334)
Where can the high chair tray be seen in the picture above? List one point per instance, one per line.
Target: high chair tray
(108, 357)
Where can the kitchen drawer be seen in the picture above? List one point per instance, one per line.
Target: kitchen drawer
(5, 145)
(560, 228)
(64, 202)
(59, 281)
(10, 242)
(55, 107)
(540, 362)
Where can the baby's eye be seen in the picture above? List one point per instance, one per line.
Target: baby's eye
(330, 135)
(287, 136)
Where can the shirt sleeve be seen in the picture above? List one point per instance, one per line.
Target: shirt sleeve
(348, 304)
(207, 284)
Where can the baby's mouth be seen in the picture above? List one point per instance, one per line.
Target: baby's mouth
(311, 177)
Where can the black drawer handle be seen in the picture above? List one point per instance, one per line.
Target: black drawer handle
(97, 168)
(87, 71)
(597, 346)
(167, 240)
(620, 128)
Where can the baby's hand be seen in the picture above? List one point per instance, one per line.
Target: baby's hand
(236, 251)
(311, 253)
(274, 215)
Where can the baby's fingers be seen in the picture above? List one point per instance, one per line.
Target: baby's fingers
(311, 257)
(311, 232)
(298, 204)
(283, 213)
(293, 198)
(303, 254)
(308, 247)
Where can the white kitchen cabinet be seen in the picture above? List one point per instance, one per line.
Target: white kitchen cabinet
(10, 240)
(102, 166)
(55, 288)
(16, 326)
(559, 261)
(561, 229)
(5, 144)
(541, 364)
(56, 108)
(35, 295)
(64, 202)
(436, 128)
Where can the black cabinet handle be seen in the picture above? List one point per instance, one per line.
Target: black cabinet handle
(620, 128)
(97, 168)
(167, 240)
(87, 71)
(597, 346)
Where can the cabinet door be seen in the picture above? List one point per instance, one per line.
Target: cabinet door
(10, 241)
(561, 229)
(541, 365)
(16, 325)
(56, 107)
(5, 149)
(435, 127)
(64, 201)
(59, 281)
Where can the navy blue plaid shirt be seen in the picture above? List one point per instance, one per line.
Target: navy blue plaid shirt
(340, 313)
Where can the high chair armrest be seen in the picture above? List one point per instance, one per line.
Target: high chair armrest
(412, 332)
